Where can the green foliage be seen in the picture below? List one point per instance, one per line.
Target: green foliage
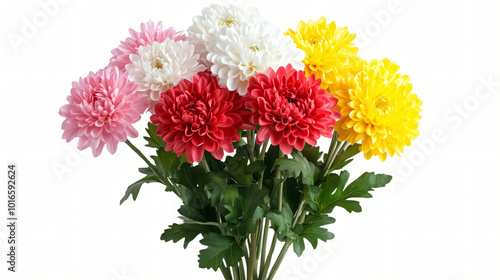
(299, 166)
(186, 231)
(227, 201)
(197, 205)
(334, 192)
(313, 231)
(345, 157)
(219, 248)
(135, 187)
(241, 217)
(312, 154)
(282, 222)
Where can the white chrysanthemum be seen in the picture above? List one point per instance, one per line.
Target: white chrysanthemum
(214, 21)
(248, 50)
(161, 66)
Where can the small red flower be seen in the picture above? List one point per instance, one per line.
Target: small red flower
(199, 115)
(290, 108)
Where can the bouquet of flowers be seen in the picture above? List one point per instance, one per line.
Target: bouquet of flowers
(237, 107)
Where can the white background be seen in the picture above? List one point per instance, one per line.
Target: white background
(438, 219)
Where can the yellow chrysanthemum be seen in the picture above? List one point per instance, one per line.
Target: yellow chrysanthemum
(329, 50)
(377, 108)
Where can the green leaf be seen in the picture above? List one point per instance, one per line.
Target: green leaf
(312, 197)
(189, 176)
(299, 165)
(197, 206)
(334, 194)
(255, 168)
(291, 193)
(236, 166)
(282, 222)
(239, 143)
(219, 248)
(299, 246)
(271, 155)
(154, 141)
(221, 191)
(214, 164)
(312, 229)
(134, 188)
(241, 217)
(168, 161)
(188, 232)
(343, 158)
(312, 153)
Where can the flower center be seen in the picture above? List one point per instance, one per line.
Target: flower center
(100, 103)
(254, 48)
(196, 108)
(229, 22)
(157, 64)
(382, 105)
(290, 97)
(313, 41)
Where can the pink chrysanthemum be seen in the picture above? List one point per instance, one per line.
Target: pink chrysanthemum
(102, 108)
(290, 108)
(150, 32)
(199, 115)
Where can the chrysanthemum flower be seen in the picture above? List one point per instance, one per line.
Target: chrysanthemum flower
(248, 50)
(214, 21)
(199, 115)
(329, 50)
(377, 108)
(102, 108)
(290, 108)
(150, 32)
(161, 66)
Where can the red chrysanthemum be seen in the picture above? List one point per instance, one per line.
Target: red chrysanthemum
(290, 108)
(199, 115)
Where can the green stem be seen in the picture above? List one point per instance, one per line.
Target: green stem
(266, 261)
(225, 271)
(262, 152)
(160, 176)
(241, 270)
(251, 144)
(236, 272)
(264, 247)
(252, 258)
(269, 256)
(333, 147)
(280, 258)
(204, 163)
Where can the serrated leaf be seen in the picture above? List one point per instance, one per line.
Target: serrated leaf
(236, 166)
(282, 222)
(241, 217)
(189, 176)
(255, 168)
(221, 191)
(219, 248)
(313, 231)
(214, 164)
(299, 166)
(188, 232)
(343, 158)
(134, 188)
(154, 141)
(334, 194)
(312, 153)
(271, 155)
